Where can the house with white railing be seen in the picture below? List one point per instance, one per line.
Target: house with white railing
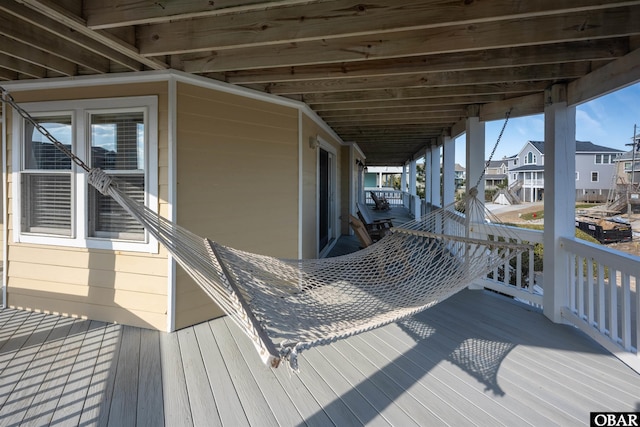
(594, 171)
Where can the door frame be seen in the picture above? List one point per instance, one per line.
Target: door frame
(333, 196)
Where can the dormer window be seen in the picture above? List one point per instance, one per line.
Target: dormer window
(530, 158)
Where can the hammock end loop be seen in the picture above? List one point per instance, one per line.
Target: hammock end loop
(100, 180)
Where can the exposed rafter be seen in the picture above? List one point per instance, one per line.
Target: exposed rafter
(390, 75)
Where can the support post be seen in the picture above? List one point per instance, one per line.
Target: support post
(475, 143)
(428, 196)
(560, 197)
(448, 170)
(436, 196)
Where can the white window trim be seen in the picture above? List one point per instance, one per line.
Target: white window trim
(79, 233)
(577, 176)
(598, 174)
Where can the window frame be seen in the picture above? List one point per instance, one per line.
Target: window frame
(81, 134)
(597, 174)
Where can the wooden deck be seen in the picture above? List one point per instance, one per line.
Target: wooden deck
(475, 359)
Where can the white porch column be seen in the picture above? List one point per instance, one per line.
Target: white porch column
(428, 196)
(448, 170)
(436, 199)
(475, 141)
(403, 179)
(560, 197)
(412, 177)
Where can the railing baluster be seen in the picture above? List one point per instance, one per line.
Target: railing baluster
(601, 299)
(532, 274)
(572, 283)
(613, 305)
(580, 285)
(626, 311)
(590, 296)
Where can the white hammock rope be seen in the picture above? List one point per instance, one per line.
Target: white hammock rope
(287, 306)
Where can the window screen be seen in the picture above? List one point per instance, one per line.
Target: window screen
(46, 178)
(117, 146)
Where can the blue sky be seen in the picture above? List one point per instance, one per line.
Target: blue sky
(606, 121)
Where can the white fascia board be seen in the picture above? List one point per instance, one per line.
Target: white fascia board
(165, 75)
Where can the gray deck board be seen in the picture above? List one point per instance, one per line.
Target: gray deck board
(150, 411)
(177, 411)
(36, 386)
(99, 395)
(474, 359)
(224, 393)
(254, 403)
(279, 401)
(71, 402)
(123, 409)
(48, 397)
(203, 407)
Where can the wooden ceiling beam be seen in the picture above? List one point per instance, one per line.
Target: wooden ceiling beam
(7, 74)
(586, 50)
(103, 14)
(458, 109)
(338, 19)
(37, 56)
(22, 67)
(418, 117)
(615, 22)
(446, 102)
(425, 92)
(60, 30)
(54, 11)
(18, 30)
(551, 72)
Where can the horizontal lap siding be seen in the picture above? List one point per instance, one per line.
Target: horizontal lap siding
(237, 173)
(112, 286)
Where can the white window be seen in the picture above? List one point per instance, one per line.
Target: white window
(577, 176)
(55, 204)
(530, 158)
(604, 158)
(595, 176)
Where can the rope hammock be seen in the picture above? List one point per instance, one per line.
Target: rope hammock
(286, 306)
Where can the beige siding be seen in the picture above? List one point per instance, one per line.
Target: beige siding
(237, 173)
(123, 287)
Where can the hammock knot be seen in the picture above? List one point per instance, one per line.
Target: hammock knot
(100, 180)
(473, 192)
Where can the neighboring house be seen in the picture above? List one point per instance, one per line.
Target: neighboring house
(495, 173)
(251, 171)
(460, 174)
(627, 183)
(381, 177)
(595, 171)
(628, 168)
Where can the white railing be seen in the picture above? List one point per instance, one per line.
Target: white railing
(601, 287)
(603, 297)
(533, 183)
(517, 278)
(394, 197)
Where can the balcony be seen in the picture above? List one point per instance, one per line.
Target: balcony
(486, 356)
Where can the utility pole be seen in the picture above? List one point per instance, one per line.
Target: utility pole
(630, 188)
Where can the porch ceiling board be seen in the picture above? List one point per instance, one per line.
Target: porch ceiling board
(376, 67)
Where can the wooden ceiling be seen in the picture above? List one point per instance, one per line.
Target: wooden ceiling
(391, 75)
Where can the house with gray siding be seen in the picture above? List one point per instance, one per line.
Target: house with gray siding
(595, 171)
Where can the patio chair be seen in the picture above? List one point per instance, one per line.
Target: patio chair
(361, 232)
(380, 226)
(381, 202)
